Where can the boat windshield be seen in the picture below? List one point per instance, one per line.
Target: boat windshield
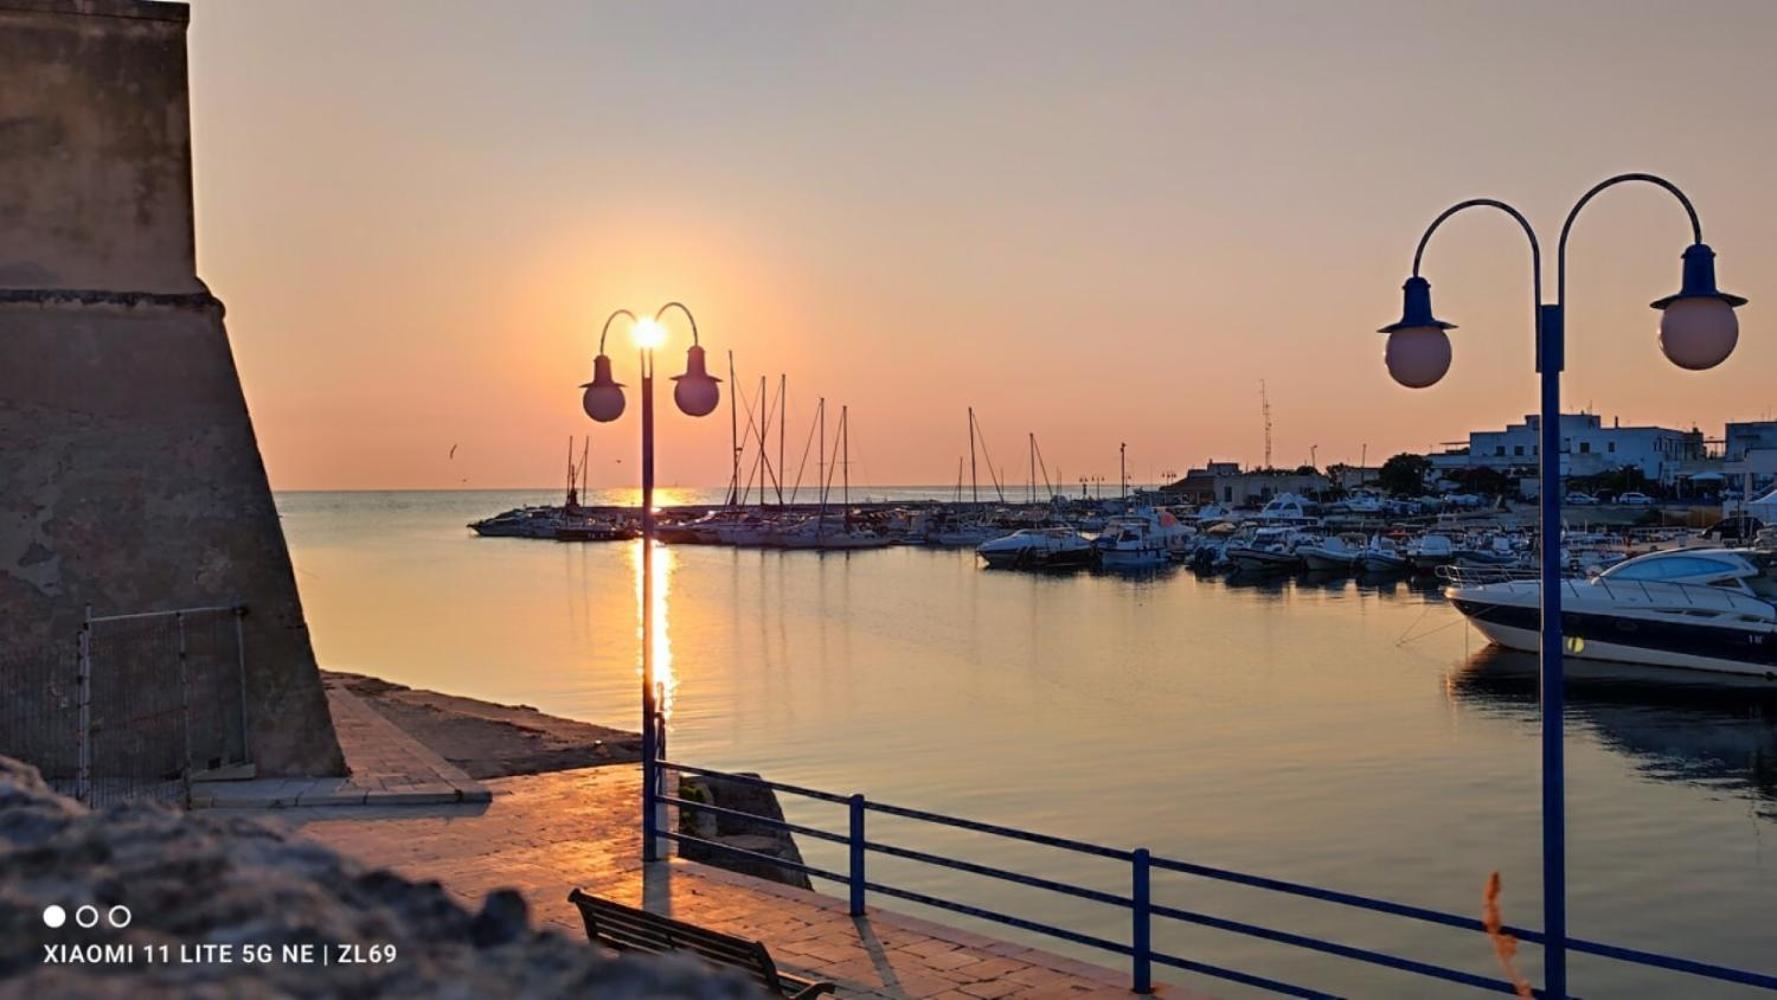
(1672, 568)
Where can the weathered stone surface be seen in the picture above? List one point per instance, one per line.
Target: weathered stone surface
(192, 880)
(130, 478)
(737, 832)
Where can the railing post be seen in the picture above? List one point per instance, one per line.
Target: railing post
(856, 843)
(1140, 941)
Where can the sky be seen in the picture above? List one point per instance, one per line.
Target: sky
(1097, 223)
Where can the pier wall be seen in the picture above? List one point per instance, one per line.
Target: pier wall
(130, 477)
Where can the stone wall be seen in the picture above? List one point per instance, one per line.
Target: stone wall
(130, 478)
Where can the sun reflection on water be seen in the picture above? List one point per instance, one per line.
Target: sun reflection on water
(666, 683)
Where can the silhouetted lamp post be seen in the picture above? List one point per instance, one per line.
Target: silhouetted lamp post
(1698, 330)
(696, 392)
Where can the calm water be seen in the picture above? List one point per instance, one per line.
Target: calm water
(1346, 735)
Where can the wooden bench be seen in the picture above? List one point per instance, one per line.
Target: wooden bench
(626, 928)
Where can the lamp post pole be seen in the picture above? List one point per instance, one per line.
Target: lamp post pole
(1698, 330)
(651, 749)
(696, 392)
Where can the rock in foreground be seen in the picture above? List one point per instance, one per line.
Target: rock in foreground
(192, 881)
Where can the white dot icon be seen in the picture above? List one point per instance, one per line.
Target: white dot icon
(54, 916)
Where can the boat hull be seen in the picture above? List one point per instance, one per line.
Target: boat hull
(1630, 639)
(1327, 562)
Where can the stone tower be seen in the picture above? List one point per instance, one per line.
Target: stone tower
(130, 479)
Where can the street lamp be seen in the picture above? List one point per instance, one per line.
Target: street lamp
(696, 392)
(1698, 330)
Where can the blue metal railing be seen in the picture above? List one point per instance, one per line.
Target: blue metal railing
(1143, 909)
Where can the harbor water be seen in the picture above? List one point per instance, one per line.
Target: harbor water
(1347, 733)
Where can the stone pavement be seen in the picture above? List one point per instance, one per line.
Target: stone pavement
(388, 767)
(545, 834)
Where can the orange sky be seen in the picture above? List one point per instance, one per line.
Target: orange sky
(1097, 223)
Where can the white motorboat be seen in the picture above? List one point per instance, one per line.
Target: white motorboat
(1288, 508)
(1382, 555)
(1142, 538)
(1270, 549)
(1431, 550)
(1338, 554)
(1038, 548)
(1697, 609)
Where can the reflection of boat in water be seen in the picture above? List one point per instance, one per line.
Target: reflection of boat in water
(1680, 726)
(1700, 609)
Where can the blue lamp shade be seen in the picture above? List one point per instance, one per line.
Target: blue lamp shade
(1698, 328)
(1418, 352)
(604, 396)
(697, 391)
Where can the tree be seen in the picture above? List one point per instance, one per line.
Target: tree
(1483, 481)
(1404, 475)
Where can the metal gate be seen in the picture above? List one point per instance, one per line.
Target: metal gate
(162, 702)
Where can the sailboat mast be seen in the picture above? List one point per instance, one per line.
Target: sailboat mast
(1033, 467)
(1123, 467)
(974, 484)
(764, 467)
(783, 418)
(733, 434)
(821, 462)
(845, 460)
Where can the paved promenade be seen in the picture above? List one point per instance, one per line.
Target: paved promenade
(546, 834)
(388, 767)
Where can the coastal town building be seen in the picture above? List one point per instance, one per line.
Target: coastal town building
(1747, 436)
(1226, 484)
(1588, 447)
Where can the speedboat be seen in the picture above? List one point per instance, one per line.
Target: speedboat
(1288, 508)
(1431, 550)
(1698, 609)
(1142, 538)
(1337, 554)
(1268, 549)
(1381, 555)
(1037, 548)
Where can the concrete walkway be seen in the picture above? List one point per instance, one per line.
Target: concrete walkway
(546, 834)
(388, 767)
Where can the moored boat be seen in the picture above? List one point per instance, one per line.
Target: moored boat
(1698, 609)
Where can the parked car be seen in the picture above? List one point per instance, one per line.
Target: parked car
(1581, 500)
(1635, 500)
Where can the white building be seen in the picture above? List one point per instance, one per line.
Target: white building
(1588, 447)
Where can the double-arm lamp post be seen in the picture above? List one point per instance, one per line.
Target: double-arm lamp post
(1698, 330)
(696, 392)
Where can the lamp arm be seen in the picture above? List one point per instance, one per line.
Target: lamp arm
(608, 321)
(1567, 227)
(680, 306)
(1536, 252)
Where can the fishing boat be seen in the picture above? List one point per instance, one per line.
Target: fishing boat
(1695, 609)
(1038, 548)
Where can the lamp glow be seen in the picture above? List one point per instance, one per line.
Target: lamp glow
(648, 333)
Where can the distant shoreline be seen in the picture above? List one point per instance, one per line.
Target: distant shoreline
(489, 740)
